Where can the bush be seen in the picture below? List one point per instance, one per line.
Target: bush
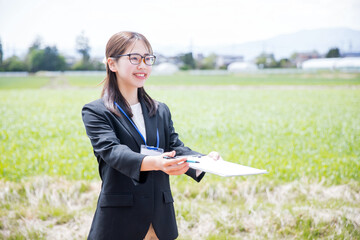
(13, 64)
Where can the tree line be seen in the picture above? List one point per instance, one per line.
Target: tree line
(268, 60)
(48, 58)
(264, 60)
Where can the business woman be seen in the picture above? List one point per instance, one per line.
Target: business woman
(132, 135)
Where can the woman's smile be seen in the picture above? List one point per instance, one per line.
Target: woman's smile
(140, 75)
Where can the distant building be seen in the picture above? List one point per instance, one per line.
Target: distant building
(303, 56)
(164, 59)
(199, 57)
(160, 58)
(351, 54)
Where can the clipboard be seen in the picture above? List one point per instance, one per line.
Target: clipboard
(221, 167)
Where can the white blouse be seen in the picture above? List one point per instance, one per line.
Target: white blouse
(138, 119)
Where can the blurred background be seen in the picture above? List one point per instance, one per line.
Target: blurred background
(188, 34)
(273, 85)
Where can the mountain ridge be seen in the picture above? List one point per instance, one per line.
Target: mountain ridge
(282, 46)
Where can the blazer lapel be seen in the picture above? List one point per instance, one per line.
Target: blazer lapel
(131, 129)
(150, 126)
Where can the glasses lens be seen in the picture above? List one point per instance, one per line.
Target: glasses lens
(135, 58)
(150, 60)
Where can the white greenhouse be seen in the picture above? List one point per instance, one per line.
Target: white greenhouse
(241, 67)
(332, 63)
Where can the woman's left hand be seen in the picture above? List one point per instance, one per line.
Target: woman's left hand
(214, 155)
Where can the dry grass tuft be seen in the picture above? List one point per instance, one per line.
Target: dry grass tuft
(52, 208)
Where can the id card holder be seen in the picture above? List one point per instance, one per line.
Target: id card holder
(151, 151)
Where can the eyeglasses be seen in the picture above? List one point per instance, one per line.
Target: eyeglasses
(136, 58)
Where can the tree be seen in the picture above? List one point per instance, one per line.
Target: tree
(188, 60)
(333, 53)
(53, 60)
(47, 59)
(14, 64)
(34, 59)
(34, 55)
(285, 63)
(265, 60)
(208, 62)
(36, 45)
(82, 46)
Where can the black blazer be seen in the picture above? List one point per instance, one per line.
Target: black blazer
(130, 199)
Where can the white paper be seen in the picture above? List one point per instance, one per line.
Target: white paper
(222, 168)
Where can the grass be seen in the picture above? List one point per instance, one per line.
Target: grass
(56, 208)
(85, 81)
(290, 133)
(47, 209)
(322, 78)
(307, 138)
(258, 79)
(44, 135)
(23, 82)
(186, 79)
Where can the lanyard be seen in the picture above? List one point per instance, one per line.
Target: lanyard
(157, 130)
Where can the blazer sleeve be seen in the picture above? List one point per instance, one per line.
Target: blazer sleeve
(106, 144)
(177, 145)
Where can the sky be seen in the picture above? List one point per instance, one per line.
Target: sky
(170, 26)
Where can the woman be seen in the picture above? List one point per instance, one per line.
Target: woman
(133, 138)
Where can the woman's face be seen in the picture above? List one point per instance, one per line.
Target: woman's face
(130, 76)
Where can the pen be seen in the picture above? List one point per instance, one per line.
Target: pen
(189, 161)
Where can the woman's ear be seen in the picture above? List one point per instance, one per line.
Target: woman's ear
(112, 64)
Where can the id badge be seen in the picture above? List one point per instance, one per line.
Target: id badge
(151, 151)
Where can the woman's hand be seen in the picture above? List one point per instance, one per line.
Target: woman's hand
(173, 166)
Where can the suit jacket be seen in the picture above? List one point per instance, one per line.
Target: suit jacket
(130, 199)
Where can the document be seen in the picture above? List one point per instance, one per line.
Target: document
(221, 167)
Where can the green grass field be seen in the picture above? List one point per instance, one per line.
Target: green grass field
(322, 78)
(31, 82)
(308, 139)
(185, 79)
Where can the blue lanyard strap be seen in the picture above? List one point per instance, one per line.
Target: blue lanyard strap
(157, 130)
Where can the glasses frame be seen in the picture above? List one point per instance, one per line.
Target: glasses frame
(137, 54)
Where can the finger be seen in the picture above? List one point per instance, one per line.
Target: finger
(210, 155)
(176, 161)
(176, 167)
(173, 153)
(169, 154)
(214, 155)
(179, 171)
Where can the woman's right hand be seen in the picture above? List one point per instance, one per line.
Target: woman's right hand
(173, 166)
